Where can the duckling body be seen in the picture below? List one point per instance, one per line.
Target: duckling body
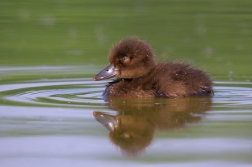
(138, 75)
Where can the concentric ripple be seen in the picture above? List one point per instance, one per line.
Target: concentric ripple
(233, 94)
(65, 92)
(87, 93)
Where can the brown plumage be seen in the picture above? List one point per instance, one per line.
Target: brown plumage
(138, 75)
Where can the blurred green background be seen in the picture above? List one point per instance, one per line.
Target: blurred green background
(215, 35)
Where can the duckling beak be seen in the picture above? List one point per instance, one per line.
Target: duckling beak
(108, 72)
(106, 120)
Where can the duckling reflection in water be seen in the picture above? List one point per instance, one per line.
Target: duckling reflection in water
(133, 128)
(131, 133)
(138, 75)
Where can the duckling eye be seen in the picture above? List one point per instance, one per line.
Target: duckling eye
(125, 59)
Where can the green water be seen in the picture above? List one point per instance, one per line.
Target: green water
(50, 50)
(214, 35)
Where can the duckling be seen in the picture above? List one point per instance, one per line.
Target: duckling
(132, 62)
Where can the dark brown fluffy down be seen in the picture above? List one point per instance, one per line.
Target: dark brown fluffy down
(141, 76)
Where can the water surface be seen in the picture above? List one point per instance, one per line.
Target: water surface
(50, 122)
(52, 113)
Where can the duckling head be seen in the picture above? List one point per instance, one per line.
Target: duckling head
(130, 58)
